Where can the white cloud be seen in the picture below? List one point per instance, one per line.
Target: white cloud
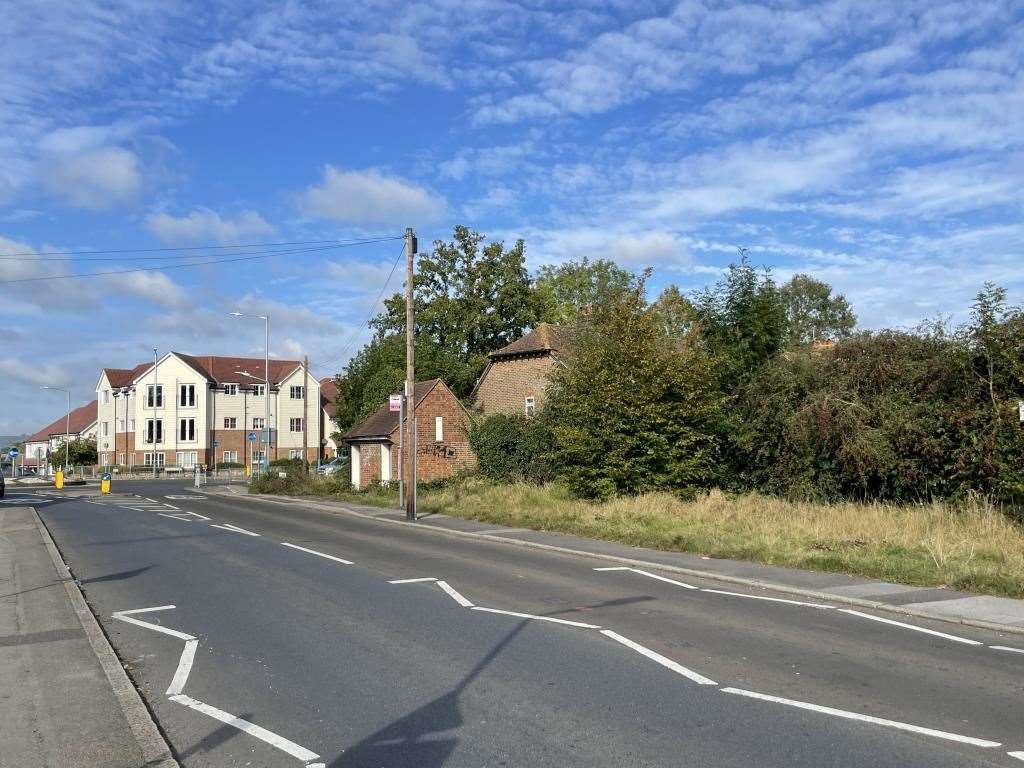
(94, 179)
(203, 225)
(153, 287)
(33, 373)
(370, 197)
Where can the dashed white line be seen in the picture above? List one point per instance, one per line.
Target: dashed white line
(412, 581)
(655, 656)
(188, 656)
(954, 638)
(175, 517)
(864, 718)
(126, 616)
(614, 568)
(318, 554)
(770, 599)
(537, 618)
(271, 738)
(1007, 648)
(233, 529)
(456, 596)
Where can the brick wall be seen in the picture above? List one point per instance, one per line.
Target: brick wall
(435, 459)
(508, 382)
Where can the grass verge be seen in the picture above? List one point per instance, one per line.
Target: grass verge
(971, 546)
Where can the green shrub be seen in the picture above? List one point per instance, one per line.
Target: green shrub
(230, 465)
(511, 447)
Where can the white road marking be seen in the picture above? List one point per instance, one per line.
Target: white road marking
(171, 506)
(456, 596)
(650, 575)
(188, 655)
(864, 718)
(1006, 648)
(185, 497)
(655, 656)
(412, 581)
(770, 599)
(1018, 755)
(233, 529)
(271, 738)
(614, 568)
(537, 618)
(954, 638)
(175, 517)
(125, 616)
(314, 552)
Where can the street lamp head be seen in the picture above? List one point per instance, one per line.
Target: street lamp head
(235, 314)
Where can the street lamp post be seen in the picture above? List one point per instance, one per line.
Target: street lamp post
(266, 379)
(67, 424)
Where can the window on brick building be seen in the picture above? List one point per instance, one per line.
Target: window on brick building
(187, 429)
(439, 429)
(230, 422)
(231, 457)
(529, 406)
(154, 431)
(257, 422)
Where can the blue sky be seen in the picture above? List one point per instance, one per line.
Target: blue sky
(877, 145)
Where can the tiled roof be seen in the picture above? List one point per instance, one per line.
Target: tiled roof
(123, 377)
(384, 421)
(233, 369)
(81, 418)
(329, 396)
(544, 338)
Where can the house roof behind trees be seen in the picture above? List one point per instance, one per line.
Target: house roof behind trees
(382, 422)
(329, 396)
(81, 418)
(545, 338)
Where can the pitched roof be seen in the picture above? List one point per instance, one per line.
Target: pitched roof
(545, 337)
(329, 396)
(82, 417)
(234, 369)
(384, 421)
(123, 377)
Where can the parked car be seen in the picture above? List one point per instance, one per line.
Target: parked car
(334, 465)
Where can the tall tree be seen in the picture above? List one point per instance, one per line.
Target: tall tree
(814, 313)
(471, 298)
(563, 291)
(678, 314)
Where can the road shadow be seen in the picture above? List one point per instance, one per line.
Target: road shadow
(423, 738)
(217, 738)
(119, 576)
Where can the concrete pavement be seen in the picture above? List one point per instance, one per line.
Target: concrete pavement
(61, 704)
(370, 643)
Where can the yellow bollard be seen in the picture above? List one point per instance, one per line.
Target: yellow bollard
(105, 482)
(58, 480)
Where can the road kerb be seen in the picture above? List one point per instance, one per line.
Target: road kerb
(155, 750)
(339, 507)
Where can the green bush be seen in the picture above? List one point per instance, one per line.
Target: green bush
(511, 447)
(230, 465)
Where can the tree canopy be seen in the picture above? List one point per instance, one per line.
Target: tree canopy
(813, 313)
(563, 291)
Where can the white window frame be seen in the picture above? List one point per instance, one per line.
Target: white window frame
(120, 460)
(160, 459)
(187, 396)
(295, 424)
(258, 422)
(131, 425)
(439, 429)
(295, 392)
(155, 394)
(230, 457)
(529, 406)
(187, 430)
(186, 459)
(257, 456)
(106, 429)
(259, 390)
(295, 453)
(230, 389)
(154, 431)
(106, 396)
(230, 422)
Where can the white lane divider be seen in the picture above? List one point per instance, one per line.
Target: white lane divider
(233, 529)
(926, 631)
(1017, 755)
(1006, 648)
(412, 581)
(864, 718)
(769, 599)
(181, 673)
(534, 617)
(456, 596)
(655, 656)
(650, 575)
(314, 552)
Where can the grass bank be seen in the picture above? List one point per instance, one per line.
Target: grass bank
(970, 546)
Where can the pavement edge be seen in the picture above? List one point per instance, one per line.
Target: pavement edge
(155, 749)
(775, 587)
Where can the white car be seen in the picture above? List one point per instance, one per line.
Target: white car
(335, 465)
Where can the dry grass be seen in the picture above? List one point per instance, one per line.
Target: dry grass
(971, 546)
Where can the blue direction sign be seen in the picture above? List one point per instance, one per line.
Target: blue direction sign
(13, 453)
(252, 437)
(216, 443)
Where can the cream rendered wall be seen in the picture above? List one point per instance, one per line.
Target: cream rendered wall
(105, 415)
(170, 373)
(288, 409)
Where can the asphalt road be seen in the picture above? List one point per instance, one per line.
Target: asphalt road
(324, 662)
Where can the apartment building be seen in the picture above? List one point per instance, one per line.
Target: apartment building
(185, 410)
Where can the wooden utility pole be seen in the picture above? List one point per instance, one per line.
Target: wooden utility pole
(409, 465)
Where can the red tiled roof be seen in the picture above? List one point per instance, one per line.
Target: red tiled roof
(329, 396)
(544, 338)
(81, 418)
(230, 369)
(122, 377)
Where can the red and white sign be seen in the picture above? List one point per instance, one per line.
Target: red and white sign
(395, 403)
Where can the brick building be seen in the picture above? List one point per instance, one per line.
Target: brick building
(517, 375)
(442, 443)
(79, 424)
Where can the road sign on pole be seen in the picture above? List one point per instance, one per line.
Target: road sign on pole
(252, 437)
(395, 403)
(13, 453)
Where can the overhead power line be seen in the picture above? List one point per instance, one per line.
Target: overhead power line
(193, 248)
(163, 267)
